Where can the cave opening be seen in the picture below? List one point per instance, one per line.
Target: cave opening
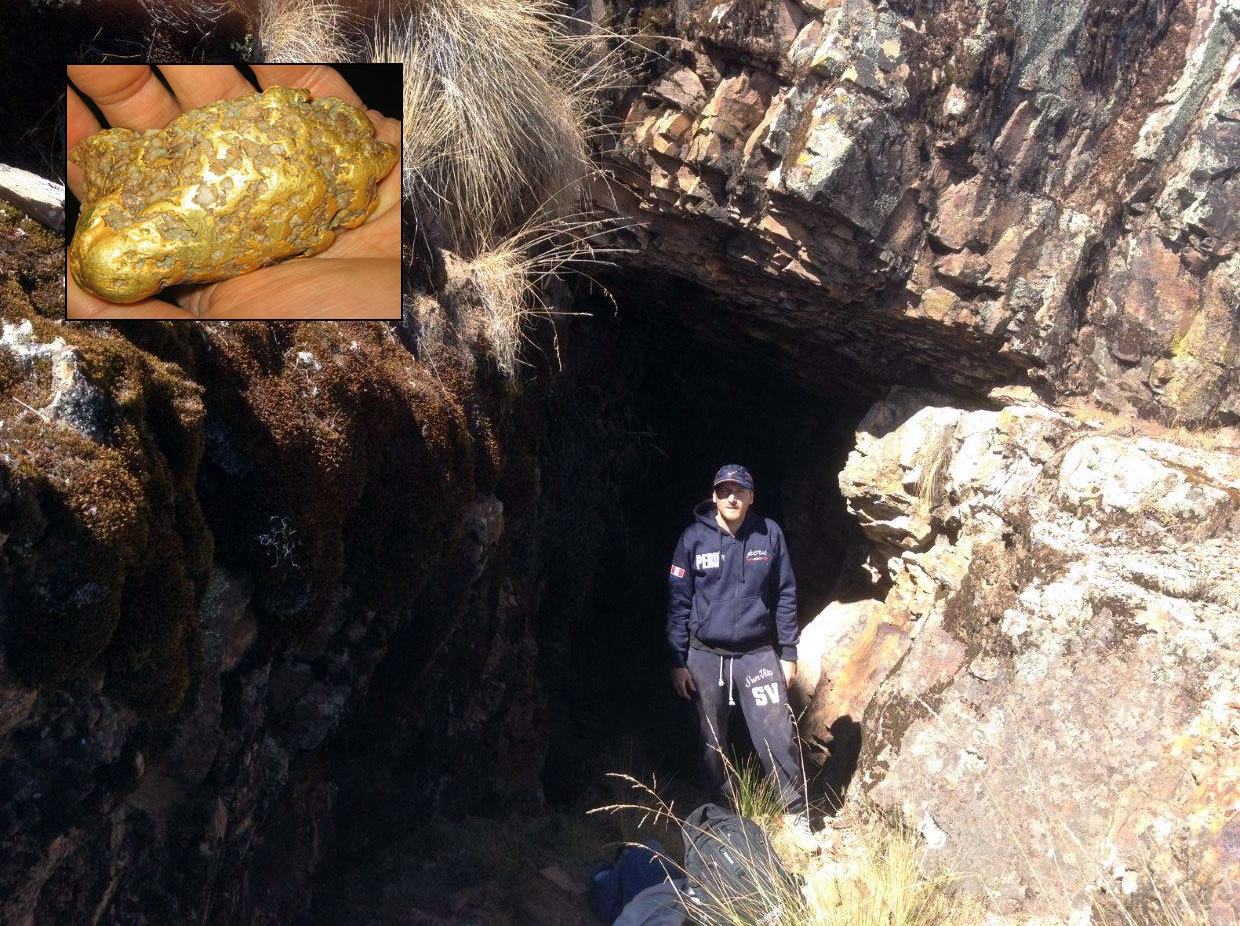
(659, 390)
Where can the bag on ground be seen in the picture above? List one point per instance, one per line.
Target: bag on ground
(635, 868)
(733, 871)
(660, 905)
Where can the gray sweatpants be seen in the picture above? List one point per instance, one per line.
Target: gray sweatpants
(755, 682)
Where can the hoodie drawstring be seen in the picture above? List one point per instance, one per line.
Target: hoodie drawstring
(731, 663)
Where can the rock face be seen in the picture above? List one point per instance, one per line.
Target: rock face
(41, 198)
(237, 562)
(956, 194)
(210, 539)
(1063, 718)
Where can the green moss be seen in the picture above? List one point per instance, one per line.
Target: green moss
(35, 264)
(110, 551)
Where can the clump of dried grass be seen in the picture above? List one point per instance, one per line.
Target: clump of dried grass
(500, 100)
(890, 882)
(509, 277)
(936, 461)
(183, 16)
(304, 30)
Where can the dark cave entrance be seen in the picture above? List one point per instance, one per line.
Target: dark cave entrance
(664, 407)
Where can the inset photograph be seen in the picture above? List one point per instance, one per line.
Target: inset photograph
(204, 191)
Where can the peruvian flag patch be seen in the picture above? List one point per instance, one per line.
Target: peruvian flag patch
(677, 572)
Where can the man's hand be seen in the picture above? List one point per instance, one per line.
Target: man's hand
(682, 681)
(357, 277)
(790, 671)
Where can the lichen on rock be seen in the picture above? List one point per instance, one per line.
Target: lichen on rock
(1051, 673)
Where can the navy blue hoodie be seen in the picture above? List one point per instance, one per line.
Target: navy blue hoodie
(733, 595)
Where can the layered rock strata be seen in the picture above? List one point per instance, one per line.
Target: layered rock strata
(953, 194)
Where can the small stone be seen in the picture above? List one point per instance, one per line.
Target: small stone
(934, 836)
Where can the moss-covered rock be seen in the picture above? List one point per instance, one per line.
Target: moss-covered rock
(331, 458)
(106, 547)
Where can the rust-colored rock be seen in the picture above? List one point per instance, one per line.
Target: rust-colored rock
(221, 191)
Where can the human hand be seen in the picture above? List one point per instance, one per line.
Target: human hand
(682, 681)
(790, 671)
(358, 276)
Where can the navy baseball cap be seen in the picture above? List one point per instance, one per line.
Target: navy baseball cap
(734, 473)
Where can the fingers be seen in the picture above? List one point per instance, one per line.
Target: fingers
(356, 288)
(319, 79)
(302, 289)
(682, 682)
(388, 130)
(83, 305)
(80, 123)
(197, 85)
(130, 96)
(379, 236)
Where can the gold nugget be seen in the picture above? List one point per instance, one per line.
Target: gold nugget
(221, 191)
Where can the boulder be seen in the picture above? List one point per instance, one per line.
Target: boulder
(39, 198)
(1065, 601)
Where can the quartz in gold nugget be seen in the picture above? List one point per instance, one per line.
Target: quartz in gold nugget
(221, 191)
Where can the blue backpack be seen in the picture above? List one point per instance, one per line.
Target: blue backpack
(635, 868)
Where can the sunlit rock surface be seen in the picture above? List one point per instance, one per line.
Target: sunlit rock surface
(953, 194)
(1059, 691)
(221, 191)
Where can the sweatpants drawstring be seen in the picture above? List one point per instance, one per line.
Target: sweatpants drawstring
(720, 671)
(731, 663)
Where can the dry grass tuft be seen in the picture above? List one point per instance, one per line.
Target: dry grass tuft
(936, 460)
(887, 883)
(304, 30)
(509, 277)
(757, 795)
(883, 884)
(500, 100)
(182, 16)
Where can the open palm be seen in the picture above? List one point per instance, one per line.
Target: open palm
(357, 277)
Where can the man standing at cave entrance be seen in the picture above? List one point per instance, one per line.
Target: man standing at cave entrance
(732, 633)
